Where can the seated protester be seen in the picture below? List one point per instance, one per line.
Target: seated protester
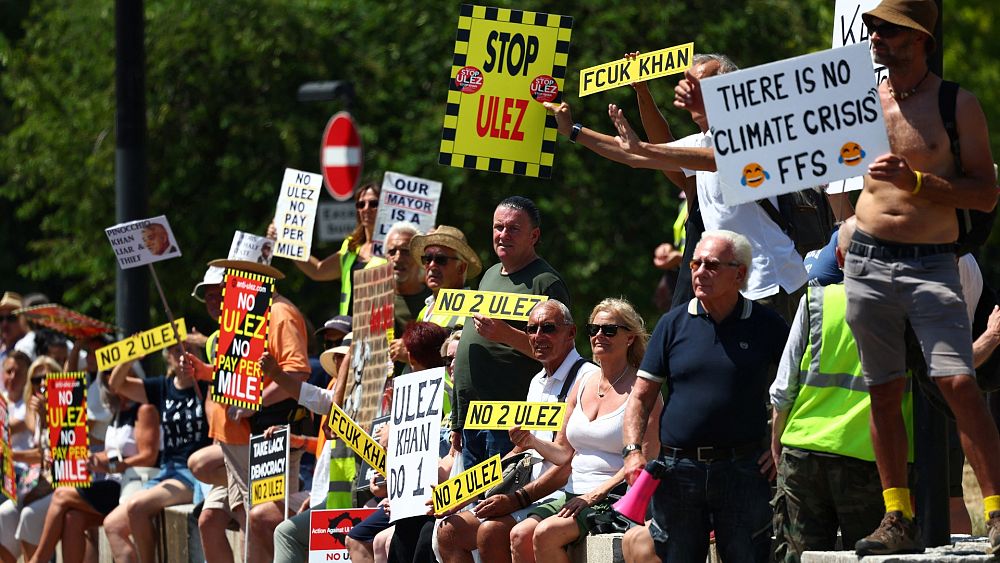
(15, 386)
(185, 430)
(131, 440)
(591, 438)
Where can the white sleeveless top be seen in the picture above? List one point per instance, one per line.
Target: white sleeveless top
(120, 439)
(598, 444)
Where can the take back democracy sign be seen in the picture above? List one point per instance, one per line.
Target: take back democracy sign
(792, 124)
(243, 324)
(142, 242)
(405, 198)
(66, 410)
(268, 466)
(296, 213)
(506, 63)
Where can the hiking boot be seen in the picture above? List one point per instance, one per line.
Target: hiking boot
(895, 534)
(993, 532)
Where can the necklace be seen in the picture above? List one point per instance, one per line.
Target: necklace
(600, 394)
(900, 96)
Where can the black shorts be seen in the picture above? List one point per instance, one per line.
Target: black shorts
(369, 527)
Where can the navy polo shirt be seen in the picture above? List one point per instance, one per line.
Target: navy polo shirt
(716, 375)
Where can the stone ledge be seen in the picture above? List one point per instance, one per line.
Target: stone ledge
(963, 550)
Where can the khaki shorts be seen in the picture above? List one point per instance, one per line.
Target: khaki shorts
(236, 493)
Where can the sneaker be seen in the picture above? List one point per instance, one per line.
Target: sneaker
(993, 532)
(896, 534)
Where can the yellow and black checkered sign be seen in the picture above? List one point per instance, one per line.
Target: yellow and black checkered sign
(506, 63)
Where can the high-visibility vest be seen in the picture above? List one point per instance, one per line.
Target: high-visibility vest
(832, 410)
(447, 321)
(347, 259)
(680, 233)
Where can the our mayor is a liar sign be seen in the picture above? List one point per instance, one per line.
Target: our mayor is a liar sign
(797, 123)
(507, 62)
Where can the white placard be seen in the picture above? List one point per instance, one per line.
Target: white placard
(414, 435)
(792, 124)
(296, 213)
(143, 242)
(405, 198)
(336, 220)
(251, 248)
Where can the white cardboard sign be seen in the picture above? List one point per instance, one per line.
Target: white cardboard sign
(405, 198)
(141, 242)
(296, 213)
(251, 248)
(792, 124)
(414, 434)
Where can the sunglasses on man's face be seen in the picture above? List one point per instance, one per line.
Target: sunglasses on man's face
(544, 328)
(712, 265)
(367, 204)
(609, 330)
(886, 30)
(439, 259)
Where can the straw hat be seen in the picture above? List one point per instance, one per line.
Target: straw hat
(11, 301)
(449, 237)
(327, 358)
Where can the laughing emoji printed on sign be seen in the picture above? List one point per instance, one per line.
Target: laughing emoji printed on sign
(754, 175)
(851, 154)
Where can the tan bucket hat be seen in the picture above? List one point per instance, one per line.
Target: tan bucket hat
(920, 15)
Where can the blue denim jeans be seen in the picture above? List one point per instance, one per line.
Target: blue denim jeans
(694, 498)
(480, 445)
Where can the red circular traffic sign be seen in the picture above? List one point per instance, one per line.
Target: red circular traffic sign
(341, 156)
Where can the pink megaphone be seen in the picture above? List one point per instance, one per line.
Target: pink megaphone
(633, 504)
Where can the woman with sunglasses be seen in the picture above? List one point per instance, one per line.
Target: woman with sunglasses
(354, 254)
(591, 437)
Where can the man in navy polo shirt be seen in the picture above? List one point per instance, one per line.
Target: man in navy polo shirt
(714, 359)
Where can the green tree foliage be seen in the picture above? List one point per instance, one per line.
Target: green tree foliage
(223, 124)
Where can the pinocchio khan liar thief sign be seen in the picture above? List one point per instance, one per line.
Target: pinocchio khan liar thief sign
(246, 311)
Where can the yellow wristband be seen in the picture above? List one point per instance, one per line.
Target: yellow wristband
(920, 182)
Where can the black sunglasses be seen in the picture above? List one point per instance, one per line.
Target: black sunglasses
(36, 381)
(544, 328)
(368, 203)
(12, 318)
(609, 330)
(395, 251)
(439, 259)
(327, 344)
(886, 30)
(712, 265)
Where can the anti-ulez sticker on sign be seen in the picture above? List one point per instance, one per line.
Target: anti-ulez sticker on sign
(506, 63)
(243, 323)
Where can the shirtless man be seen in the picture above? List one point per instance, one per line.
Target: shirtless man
(901, 265)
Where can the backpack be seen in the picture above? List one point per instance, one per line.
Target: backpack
(974, 226)
(806, 216)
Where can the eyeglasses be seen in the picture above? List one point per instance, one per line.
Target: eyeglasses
(609, 330)
(36, 381)
(712, 265)
(886, 30)
(439, 259)
(544, 328)
(395, 251)
(367, 204)
(12, 318)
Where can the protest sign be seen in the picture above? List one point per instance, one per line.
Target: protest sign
(414, 433)
(356, 438)
(251, 248)
(504, 415)
(794, 124)
(645, 66)
(268, 467)
(65, 321)
(405, 198)
(67, 417)
(296, 213)
(141, 344)
(467, 484)
(336, 220)
(366, 471)
(8, 482)
(243, 325)
(372, 321)
(492, 304)
(506, 62)
(328, 531)
(141, 242)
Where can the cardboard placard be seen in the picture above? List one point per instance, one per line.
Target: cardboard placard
(8, 481)
(414, 434)
(137, 346)
(366, 471)
(405, 198)
(269, 467)
(356, 438)
(251, 248)
(646, 66)
(66, 410)
(793, 124)
(336, 220)
(467, 484)
(296, 213)
(65, 321)
(243, 329)
(506, 62)
(142, 242)
(492, 304)
(373, 292)
(504, 415)
(328, 531)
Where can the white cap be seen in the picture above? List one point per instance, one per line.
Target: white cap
(213, 276)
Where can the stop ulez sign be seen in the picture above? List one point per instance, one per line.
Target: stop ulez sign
(341, 156)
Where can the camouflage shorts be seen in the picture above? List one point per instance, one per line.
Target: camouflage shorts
(819, 494)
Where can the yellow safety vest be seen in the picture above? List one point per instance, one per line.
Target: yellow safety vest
(347, 259)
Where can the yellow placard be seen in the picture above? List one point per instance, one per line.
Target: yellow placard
(267, 490)
(467, 484)
(506, 63)
(357, 439)
(492, 304)
(137, 346)
(646, 66)
(504, 415)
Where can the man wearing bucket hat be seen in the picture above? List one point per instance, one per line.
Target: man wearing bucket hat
(901, 264)
(448, 262)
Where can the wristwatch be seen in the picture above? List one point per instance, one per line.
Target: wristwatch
(574, 132)
(630, 448)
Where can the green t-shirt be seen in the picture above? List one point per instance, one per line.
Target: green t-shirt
(489, 371)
